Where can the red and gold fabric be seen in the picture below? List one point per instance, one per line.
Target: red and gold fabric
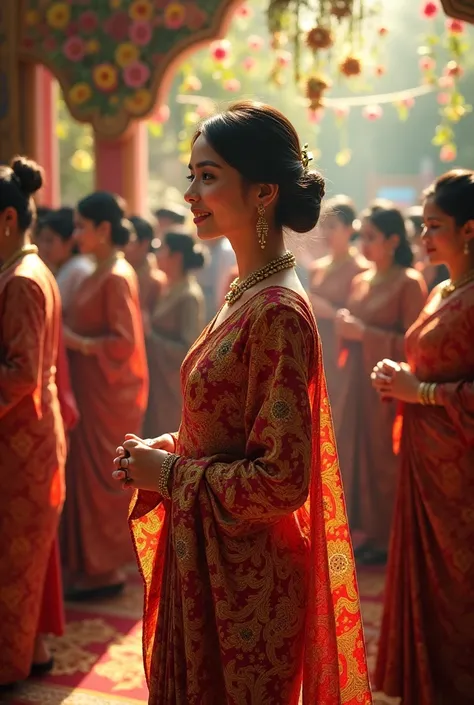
(426, 648)
(32, 453)
(250, 587)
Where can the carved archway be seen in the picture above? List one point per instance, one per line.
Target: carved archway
(115, 60)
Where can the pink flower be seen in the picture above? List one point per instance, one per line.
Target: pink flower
(192, 84)
(255, 42)
(380, 70)
(244, 11)
(74, 49)
(284, 58)
(453, 69)
(448, 153)
(117, 26)
(161, 114)
(408, 102)
(88, 21)
(315, 116)
(141, 33)
(135, 75)
(203, 110)
(382, 31)
(342, 111)
(232, 85)
(249, 63)
(372, 112)
(455, 26)
(427, 63)
(429, 10)
(443, 98)
(445, 82)
(220, 50)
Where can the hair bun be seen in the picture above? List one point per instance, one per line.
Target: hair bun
(28, 173)
(299, 205)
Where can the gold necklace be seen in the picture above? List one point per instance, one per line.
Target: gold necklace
(451, 287)
(238, 288)
(22, 252)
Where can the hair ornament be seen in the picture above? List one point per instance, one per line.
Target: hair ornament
(306, 157)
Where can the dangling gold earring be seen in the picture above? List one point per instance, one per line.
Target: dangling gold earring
(262, 226)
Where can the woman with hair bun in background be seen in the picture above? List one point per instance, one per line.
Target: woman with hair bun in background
(176, 321)
(239, 521)
(330, 279)
(110, 382)
(382, 305)
(32, 442)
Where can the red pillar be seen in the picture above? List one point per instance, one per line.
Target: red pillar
(45, 139)
(121, 166)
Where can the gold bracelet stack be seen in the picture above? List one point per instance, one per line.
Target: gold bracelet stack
(427, 393)
(164, 474)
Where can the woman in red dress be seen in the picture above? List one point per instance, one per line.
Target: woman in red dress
(239, 522)
(110, 382)
(426, 647)
(32, 443)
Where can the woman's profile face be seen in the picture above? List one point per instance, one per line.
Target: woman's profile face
(441, 237)
(89, 236)
(53, 250)
(375, 246)
(335, 232)
(219, 203)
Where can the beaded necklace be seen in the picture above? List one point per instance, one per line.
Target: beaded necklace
(238, 288)
(451, 287)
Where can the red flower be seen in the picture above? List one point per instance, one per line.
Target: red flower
(430, 10)
(117, 26)
(88, 21)
(455, 26)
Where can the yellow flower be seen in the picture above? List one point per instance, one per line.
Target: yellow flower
(32, 17)
(92, 46)
(141, 10)
(82, 160)
(58, 15)
(115, 4)
(80, 93)
(105, 77)
(126, 54)
(175, 14)
(139, 103)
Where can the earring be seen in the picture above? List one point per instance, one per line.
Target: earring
(262, 226)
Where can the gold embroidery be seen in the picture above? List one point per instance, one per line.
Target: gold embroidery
(280, 410)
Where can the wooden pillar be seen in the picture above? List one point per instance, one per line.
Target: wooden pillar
(10, 123)
(122, 166)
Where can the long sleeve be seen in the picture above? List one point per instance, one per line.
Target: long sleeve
(272, 480)
(22, 329)
(171, 352)
(391, 344)
(118, 345)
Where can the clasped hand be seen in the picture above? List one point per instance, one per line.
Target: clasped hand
(138, 461)
(394, 380)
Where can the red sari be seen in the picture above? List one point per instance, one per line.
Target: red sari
(32, 452)
(426, 650)
(110, 386)
(250, 587)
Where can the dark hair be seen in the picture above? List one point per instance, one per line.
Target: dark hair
(343, 208)
(194, 254)
(262, 145)
(18, 182)
(143, 228)
(176, 214)
(387, 218)
(105, 207)
(453, 192)
(60, 222)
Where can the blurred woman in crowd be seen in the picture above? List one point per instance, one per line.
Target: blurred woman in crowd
(176, 322)
(330, 279)
(426, 647)
(433, 274)
(382, 305)
(32, 444)
(57, 248)
(240, 525)
(109, 378)
(151, 279)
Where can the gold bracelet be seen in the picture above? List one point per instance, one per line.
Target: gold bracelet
(432, 394)
(164, 474)
(422, 393)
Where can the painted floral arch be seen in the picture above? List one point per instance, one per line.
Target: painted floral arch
(114, 59)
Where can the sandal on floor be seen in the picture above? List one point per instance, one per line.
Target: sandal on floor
(41, 669)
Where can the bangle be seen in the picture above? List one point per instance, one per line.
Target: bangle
(164, 474)
(422, 390)
(432, 394)
(427, 393)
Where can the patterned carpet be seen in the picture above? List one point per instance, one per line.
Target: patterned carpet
(99, 661)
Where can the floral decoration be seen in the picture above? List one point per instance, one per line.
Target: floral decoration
(110, 54)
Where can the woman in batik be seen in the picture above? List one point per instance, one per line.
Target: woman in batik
(176, 322)
(427, 642)
(330, 279)
(32, 443)
(110, 382)
(239, 521)
(383, 303)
